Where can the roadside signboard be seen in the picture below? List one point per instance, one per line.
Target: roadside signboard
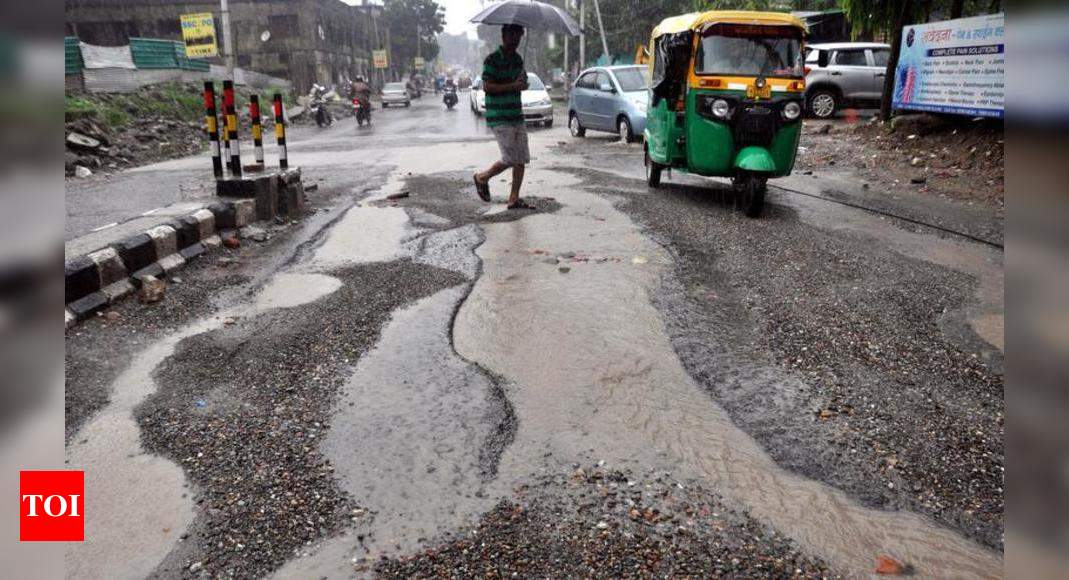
(420, 63)
(379, 56)
(956, 66)
(198, 32)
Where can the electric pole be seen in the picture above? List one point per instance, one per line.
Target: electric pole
(228, 39)
(582, 34)
(601, 28)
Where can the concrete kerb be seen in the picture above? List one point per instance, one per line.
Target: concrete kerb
(105, 276)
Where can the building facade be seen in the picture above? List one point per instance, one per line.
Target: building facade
(303, 41)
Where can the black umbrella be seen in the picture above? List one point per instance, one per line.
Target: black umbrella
(528, 14)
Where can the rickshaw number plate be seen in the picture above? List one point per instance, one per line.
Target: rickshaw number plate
(753, 92)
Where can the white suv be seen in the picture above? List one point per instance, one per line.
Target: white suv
(853, 76)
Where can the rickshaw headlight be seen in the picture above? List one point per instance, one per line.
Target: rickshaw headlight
(721, 108)
(792, 110)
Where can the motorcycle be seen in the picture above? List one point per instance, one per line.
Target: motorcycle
(362, 112)
(320, 113)
(450, 99)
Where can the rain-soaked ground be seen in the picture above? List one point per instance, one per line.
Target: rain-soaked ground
(622, 383)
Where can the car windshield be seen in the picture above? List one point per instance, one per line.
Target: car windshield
(534, 83)
(633, 79)
(395, 87)
(751, 51)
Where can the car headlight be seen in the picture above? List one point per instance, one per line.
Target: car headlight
(792, 110)
(720, 108)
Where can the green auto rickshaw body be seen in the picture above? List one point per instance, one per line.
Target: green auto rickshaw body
(755, 139)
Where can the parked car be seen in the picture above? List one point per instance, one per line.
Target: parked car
(395, 94)
(537, 105)
(853, 76)
(476, 97)
(612, 99)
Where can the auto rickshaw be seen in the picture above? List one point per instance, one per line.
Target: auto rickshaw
(726, 99)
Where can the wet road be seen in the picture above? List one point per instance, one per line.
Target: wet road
(374, 381)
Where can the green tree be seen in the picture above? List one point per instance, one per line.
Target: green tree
(414, 26)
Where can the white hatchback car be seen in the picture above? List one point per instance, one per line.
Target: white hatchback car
(395, 94)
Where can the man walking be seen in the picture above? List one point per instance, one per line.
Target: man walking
(504, 79)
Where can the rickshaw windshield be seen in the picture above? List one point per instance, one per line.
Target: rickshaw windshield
(747, 50)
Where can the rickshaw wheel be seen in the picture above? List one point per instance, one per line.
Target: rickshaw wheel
(750, 194)
(653, 171)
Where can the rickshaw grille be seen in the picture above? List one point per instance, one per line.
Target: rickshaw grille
(755, 125)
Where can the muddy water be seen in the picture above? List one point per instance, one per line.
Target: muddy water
(408, 440)
(141, 503)
(592, 369)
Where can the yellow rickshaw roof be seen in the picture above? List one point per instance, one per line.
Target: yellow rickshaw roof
(698, 20)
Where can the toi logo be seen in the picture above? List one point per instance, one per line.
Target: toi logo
(51, 506)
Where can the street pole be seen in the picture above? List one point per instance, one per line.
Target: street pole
(228, 39)
(582, 34)
(601, 28)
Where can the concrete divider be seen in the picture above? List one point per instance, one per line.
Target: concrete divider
(102, 277)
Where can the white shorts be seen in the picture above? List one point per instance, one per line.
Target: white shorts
(512, 140)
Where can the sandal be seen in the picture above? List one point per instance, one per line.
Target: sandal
(521, 204)
(483, 189)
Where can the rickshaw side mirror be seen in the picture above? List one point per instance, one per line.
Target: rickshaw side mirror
(822, 58)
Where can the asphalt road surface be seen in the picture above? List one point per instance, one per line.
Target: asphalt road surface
(624, 382)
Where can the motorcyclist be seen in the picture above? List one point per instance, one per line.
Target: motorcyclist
(361, 90)
(450, 85)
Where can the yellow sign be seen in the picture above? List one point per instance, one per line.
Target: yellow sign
(198, 31)
(420, 63)
(379, 57)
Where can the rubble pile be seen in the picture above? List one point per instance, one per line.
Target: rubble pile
(92, 147)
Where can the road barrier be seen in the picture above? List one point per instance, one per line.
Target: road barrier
(280, 133)
(211, 125)
(232, 128)
(257, 129)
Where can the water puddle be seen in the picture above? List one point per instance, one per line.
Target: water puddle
(593, 370)
(409, 440)
(141, 503)
(364, 234)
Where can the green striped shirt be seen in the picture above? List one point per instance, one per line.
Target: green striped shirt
(503, 108)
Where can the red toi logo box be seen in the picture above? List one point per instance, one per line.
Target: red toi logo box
(51, 506)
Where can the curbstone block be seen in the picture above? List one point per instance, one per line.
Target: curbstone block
(224, 215)
(190, 252)
(165, 241)
(87, 305)
(185, 232)
(291, 200)
(155, 270)
(171, 263)
(244, 212)
(137, 251)
(109, 266)
(118, 290)
(205, 223)
(81, 277)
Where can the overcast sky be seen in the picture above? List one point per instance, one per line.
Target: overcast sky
(457, 14)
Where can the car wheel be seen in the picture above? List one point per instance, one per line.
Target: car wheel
(823, 104)
(653, 171)
(577, 128)
(623, 128)
(549, 123)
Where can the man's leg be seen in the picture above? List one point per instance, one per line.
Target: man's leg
(517, 182)
(496, 169)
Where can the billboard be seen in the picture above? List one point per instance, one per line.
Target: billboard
(379, 56)
(956, 66)
(198, 32)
